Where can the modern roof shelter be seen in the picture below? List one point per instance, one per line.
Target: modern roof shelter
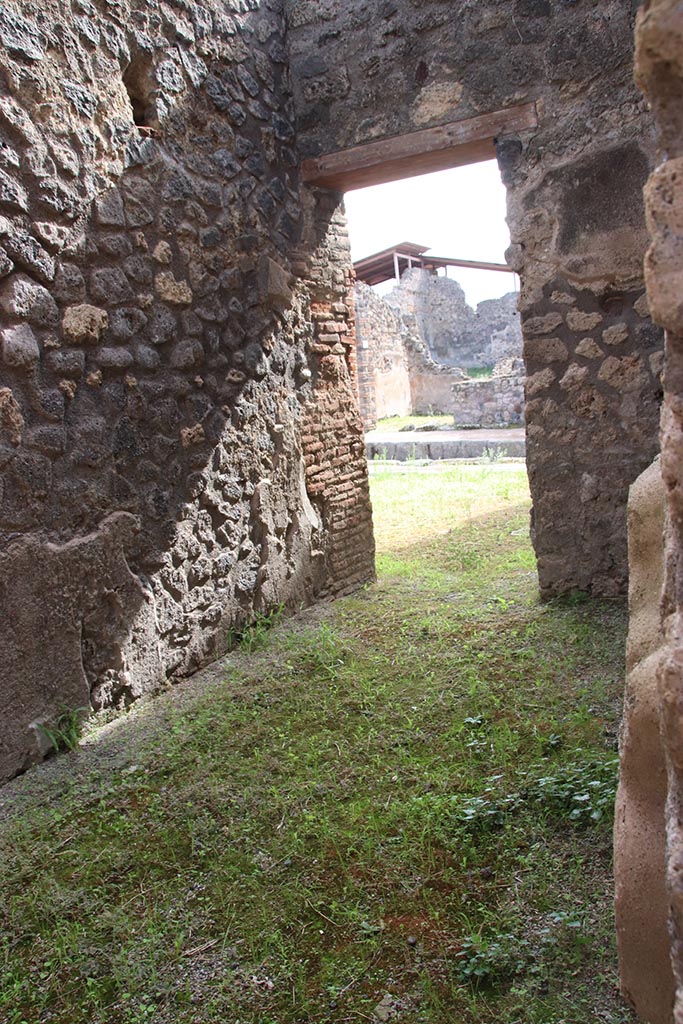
(388, 263)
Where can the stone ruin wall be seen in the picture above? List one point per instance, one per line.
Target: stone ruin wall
(180, 446)
(362, 72)
(649, 834)
(456, 334)
(494, 402)
(383, 368)
(400, 372)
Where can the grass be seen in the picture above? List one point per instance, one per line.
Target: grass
(394, 807)
(480, 372)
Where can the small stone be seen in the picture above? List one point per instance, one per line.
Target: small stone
(624, 375)
(140, 203)
(22, 298)
(27, 253)
(163, 325)
(170, 77)
(66, 364)
(138, 269)
(11, 193)
(589, 349)
(641, 305)
(177, 292)
(575, 377)
(6, 265)
(110, 209)
(656, 364)
(50, 440)
(20, 35)
(542, 324)
(68, 388)
(126, 322)
(412, 940)
(545, 350)
(146, 357)
(195, 67)
(579, 321)
(540, 381)
(187, 354)
(563, 299)
(84, 100)
(385, 1008)
(11, 420)
(163, 253)
(19, 347)
(115, 358)
(116, 245)
(69, 283)
(615, 335)
(190, 436)
(54, 236)
(274, 283)
(84, 324)
(110, 285)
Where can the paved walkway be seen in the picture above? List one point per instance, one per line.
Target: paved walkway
(445, 444)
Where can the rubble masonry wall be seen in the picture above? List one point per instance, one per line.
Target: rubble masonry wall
(180, 446)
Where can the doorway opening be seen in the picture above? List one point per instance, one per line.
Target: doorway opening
(439, 341)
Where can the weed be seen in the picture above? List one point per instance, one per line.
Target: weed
(254, 636)
(64, 733)
(499, 956)
(480, 372)
(581, 793)
(483, 961)
(494, 453)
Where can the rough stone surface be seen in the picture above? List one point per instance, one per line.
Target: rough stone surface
(400, 372)
(456, 334)
(383, 366)
(659, 67)
(497, 401)
(180, 442)
(575, 214)
(639, 825)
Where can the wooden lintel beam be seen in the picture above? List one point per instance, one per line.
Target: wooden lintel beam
(404, 156)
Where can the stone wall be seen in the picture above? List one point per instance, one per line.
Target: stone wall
(431, 383)
(383, 371)
(497, 401)
(366, 72)
(456, 334)
(639, 815)
(400, 374)
(660, 72)
(179, 441)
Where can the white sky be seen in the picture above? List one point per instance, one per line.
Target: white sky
(458, 213)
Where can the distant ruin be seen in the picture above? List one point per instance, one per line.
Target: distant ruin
(413, 344)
